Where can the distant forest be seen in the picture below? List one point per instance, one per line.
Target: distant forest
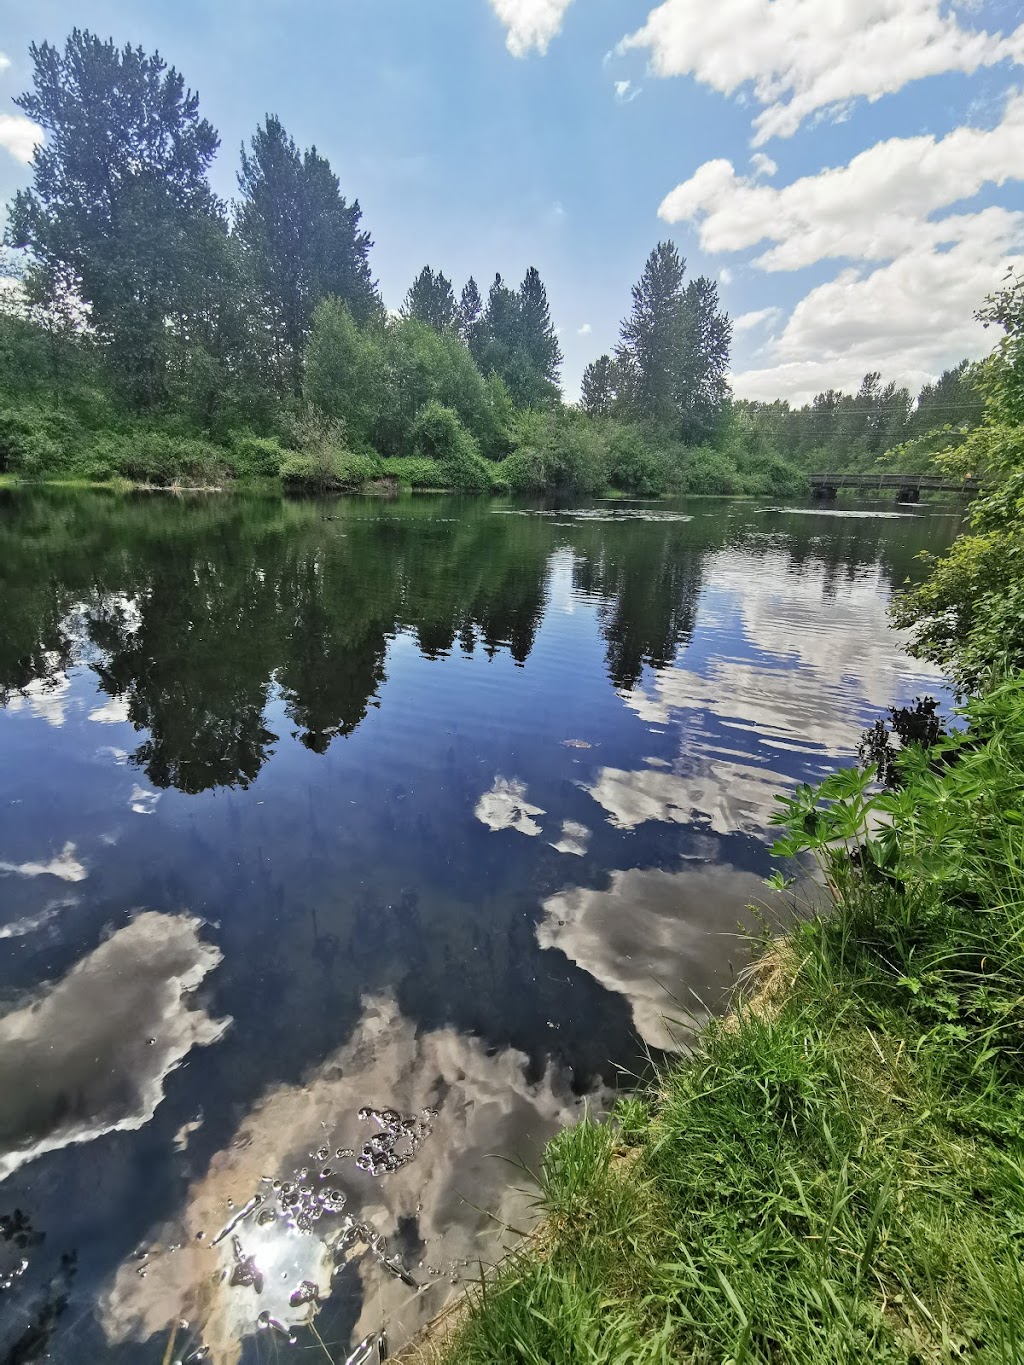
(158, 334)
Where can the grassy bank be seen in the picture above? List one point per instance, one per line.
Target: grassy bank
(837, 1172)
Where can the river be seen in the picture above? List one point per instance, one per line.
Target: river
(349, 849)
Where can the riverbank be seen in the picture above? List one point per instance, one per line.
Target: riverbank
(837, 1172)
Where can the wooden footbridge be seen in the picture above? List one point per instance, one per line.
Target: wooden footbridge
(907, 487)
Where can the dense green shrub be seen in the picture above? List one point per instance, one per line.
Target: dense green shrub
(352, 470)
(438, 435)
(773, 477)
(257, 457)
(155, 457)
(634, 465)
(378, 378)
(33, 440)
(705, 471)
(559, 453)
(415, 471)
(343, 471)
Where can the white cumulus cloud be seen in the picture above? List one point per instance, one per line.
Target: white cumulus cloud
(910, 319)
(585, 330)
(19, 136)
(879, 205)
(918, 258)
(763, 165)
(761, 317)
(804, 57)
(530, 23)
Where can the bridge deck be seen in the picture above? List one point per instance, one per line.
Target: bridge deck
(931, 483)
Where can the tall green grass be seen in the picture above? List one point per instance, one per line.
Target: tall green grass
(836, 1173)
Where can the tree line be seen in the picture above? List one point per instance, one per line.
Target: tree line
(204, 318)
(163, 334)
(854, 430)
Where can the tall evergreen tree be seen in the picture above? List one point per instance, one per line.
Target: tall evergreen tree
(673, 358)
(535, 333)
(471, 307)
(649, 352)
(302, 240)
(598, 390)
(119, 200)
(431, 300)
(702, 386)
(516, 341)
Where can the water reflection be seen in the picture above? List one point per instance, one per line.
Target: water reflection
(90, 1054)
(391, 1242)
(310, 741)
(794, 658)
(652, 931)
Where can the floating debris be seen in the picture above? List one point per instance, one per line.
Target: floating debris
(364, 1352)
(396, 1144)
(307, 1292)
(266, 1323)
(596, 513)
(353, 1232)
(246, 1273)
(239, 1217)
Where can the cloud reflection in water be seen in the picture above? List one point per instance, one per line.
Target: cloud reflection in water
(484, 1104)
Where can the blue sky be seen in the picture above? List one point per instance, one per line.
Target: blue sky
(883, 202)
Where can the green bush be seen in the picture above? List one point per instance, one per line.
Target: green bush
(438, 435)
(705, 471)
(35, 441)
(257, 457)
(300, 471)
(340, 471)
(353, 471)
(774, 477)
(153, 457)
(634, 465)
(558, 453)
(415, 471)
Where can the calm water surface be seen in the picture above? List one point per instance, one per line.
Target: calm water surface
(346, 849)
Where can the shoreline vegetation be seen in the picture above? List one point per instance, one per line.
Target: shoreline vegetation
(153, 333)
(835, 1170)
